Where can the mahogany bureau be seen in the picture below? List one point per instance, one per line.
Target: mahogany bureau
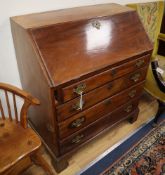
(87, 66)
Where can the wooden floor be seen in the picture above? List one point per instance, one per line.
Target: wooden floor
(148, 108)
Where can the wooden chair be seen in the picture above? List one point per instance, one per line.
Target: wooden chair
(17, 141)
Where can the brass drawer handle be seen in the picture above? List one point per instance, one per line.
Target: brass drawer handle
(136, 77)
(96, 24)
(139, 63)
(128, 109)
(77, 139)
(76, 107)
(132, 93)
(79, 89)
(77, 123)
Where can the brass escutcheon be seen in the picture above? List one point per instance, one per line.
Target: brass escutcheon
(113, 72)
(80, 88)
(96, 24)
(108, 102)
(78, 122)
(110, 85)
(77, 139)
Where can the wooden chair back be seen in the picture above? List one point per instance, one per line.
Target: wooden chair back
(27, 101)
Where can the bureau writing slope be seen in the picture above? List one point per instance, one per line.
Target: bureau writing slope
(87, 66)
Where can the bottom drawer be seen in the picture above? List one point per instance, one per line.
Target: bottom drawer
(126, 111)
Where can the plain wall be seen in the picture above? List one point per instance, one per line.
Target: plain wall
(8, 65)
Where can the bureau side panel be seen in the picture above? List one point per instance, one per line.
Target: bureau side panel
(35, 80)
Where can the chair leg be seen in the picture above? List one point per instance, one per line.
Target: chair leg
(39, 160)
(161, 110)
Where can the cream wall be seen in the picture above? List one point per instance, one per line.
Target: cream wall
(8, 65)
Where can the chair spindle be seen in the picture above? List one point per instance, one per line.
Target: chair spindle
(8, 105)
(1, 109)
(15, 108)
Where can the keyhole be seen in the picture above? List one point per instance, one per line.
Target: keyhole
(96, 24)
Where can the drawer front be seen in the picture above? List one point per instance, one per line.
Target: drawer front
(72, 107)
(86, 85)
(92, 114)
(127, 110)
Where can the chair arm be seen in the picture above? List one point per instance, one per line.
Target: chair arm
(20, 93)
(161, 36)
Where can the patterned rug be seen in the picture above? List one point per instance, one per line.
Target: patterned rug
(145, 154)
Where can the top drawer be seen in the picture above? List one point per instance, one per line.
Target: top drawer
(86, 85)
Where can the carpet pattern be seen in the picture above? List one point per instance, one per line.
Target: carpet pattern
(147, 157)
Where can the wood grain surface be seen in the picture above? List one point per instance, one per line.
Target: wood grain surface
(59, 51)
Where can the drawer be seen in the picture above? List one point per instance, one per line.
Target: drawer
(72, 107)
(86, 85)
(125, 111)
(92, 114)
